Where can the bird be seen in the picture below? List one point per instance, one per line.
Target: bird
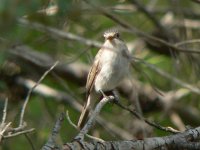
(110, 66)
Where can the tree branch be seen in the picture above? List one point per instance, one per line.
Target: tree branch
(91, 121)
(137, 115)
(185, 140)
(31, 90)
(134, 30)
(4, 112)
(51, 143)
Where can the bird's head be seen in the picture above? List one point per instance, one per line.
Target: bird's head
(111, 34)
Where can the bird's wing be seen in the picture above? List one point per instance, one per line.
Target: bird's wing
(94, 70)
(96, 67)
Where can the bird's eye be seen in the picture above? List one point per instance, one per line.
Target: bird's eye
(117, 35)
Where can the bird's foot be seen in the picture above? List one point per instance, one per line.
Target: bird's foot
(112, 97)
(104, 95)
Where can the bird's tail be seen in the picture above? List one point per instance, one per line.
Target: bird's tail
(85, 113)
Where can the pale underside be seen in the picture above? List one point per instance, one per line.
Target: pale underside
(109, 68)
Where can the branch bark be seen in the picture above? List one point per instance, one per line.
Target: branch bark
(185, 140)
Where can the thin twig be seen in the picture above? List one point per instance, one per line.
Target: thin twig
(4, 128)
(60, 33)
(4, 111)
(30, 141)
(51, 143)
(170, 77)
(188, 42)
(91, 121)
(137, 115)
(31, 90)
(76, 127)
(70, 121)
(17, 129)
(18, 133)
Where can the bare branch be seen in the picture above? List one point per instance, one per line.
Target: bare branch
(51, 143)
(75, 126)
(17, 129)
(70, 121)
(3, 130)
(185, 140)
(54, 31)
(31, 90)
(170, 77)
(136, 114)
(18, 133)
(188, 42)
(92, 118)
(4, 111)
(30, 141)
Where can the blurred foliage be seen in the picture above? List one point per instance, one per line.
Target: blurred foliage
(79, 18)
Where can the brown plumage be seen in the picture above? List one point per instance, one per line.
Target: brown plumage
(109, 67)
(94, 70)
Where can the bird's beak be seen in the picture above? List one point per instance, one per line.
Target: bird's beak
(110, 38)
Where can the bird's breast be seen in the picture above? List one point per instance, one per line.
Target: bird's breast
(113, 68)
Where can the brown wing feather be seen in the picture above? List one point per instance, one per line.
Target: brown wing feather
(89, 86)
(93, 73)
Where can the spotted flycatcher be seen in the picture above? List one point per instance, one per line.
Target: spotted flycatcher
(110, 66)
